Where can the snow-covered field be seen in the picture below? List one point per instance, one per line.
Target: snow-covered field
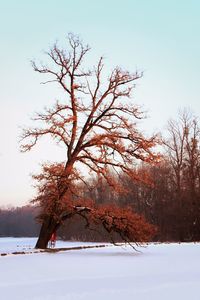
(159, 272)
(10, 244)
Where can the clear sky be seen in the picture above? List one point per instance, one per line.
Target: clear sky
(159, 37)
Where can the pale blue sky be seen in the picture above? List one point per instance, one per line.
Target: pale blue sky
(159, 37)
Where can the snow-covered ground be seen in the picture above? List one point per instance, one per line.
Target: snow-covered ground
(10, 244)
(159, 272)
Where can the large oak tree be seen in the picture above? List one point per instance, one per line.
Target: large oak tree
(96, 123)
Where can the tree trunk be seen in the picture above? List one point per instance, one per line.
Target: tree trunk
(49, 225)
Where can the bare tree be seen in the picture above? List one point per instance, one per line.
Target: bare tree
(184, 156)
(175, 148)
(96, 124)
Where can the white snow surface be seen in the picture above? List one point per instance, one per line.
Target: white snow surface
(10, 244)
(158, 272)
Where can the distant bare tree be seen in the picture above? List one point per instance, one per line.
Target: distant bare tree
(184, 156)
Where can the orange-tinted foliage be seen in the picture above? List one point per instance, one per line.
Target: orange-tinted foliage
(129, 226)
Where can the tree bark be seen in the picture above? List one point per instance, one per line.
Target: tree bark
(49, 225)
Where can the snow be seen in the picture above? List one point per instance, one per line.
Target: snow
(10, 244)
(160, 271)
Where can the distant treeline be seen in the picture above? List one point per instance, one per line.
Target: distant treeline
(174, 209)
(176, 213)
(19, 222)
(168, 196)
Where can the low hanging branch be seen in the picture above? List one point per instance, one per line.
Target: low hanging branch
(130, 227)
(96, 125)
